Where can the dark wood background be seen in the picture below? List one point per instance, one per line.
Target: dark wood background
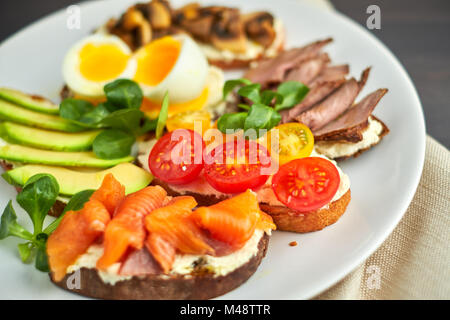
(417, 31)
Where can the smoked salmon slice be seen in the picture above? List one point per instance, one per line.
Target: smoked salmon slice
(161, 250)
(127, 229)
(96, 215)
(173, 224)
(78, 230)
(110, 193)
(71, 239)
(232, 221)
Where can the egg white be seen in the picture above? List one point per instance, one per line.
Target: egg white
(71, 66)
(187, 78)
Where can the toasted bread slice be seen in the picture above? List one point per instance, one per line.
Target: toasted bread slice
(198, 285)
(289, 220)
(285, 219)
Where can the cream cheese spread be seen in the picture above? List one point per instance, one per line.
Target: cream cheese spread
(333, 149)
(184, 264)
(254, 50)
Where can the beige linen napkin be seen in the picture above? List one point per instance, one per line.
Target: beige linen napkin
(414, 262)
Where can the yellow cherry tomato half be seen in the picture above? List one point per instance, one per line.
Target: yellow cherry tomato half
(199, 121)
(295, 141)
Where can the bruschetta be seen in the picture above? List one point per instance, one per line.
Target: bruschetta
(148, 245)
(228, 38)
(328, 195)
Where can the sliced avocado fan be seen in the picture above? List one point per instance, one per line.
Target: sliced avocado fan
(33, 102)
(15, 113)
(18, 153)
(47, 139)
(71, 181)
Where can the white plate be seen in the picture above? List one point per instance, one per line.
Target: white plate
(383, 180)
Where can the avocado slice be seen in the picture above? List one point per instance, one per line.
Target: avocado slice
(15, 152)
(33, 102)
(72, 181)
(14, 113)
(46, 139)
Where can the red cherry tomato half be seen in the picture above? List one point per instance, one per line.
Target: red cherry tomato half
(306, 184)
(176, 157)
(236, 166)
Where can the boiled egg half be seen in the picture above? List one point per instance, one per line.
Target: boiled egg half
(173, 64)
(95, 61)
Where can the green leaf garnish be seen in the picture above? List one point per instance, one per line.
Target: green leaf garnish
(37, 197)
(162, 117)
(9, 225)
(120, 111)
(250, 92)
(263, 113)
(75, 110)
(76, 203)
(268, 96)
(78, 200)
(124, 93)
(244, 106)
(113, 144)
(231, 121)
(93, 118)
(261, 117)
(230, 85)
(42, 260)
(293, 92)
(125, 119)
(25, 250)
(148, 125)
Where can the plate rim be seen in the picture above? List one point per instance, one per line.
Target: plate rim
(325, 282)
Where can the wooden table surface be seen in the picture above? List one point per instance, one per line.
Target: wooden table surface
(418, 33)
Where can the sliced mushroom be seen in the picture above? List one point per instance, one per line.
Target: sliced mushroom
(228, 32)
(199, 28)
(134, 29)
(132, 19)
(144, 34)
(198, 21)
(259, 27)
(114, 27)
(191, 10)
(216, 10)
(187, 12)
(160, 17)
(111, 24)
(157, 12)
(166, 32)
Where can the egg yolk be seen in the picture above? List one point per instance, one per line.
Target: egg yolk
(151, 108)
(155, 60)
(101, 62)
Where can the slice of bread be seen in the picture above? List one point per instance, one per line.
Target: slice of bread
(285, 218)
(198, 285)
(289, 220)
